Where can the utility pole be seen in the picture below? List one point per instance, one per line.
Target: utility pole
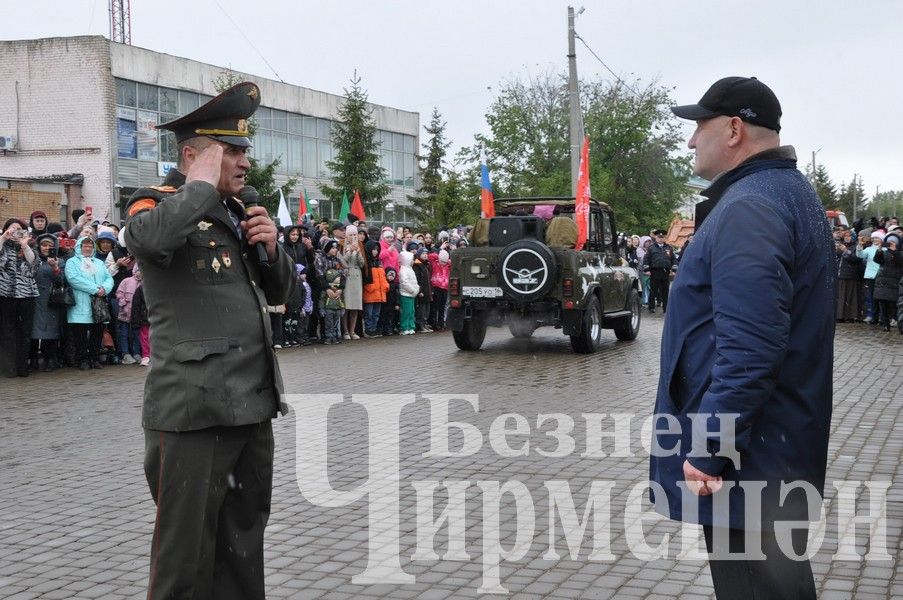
(854, 196)
(576, 119)
(814, 177)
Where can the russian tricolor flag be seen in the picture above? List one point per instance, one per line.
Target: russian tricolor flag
(487, 206)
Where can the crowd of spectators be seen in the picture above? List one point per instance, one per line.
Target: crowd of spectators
(74, 297)
(869, 258)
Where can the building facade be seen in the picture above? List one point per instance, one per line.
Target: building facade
(85, 106)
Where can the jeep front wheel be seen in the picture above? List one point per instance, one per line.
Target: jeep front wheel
(472, 334)
(629, 327)
(590, 336)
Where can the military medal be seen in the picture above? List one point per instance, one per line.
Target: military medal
(204, 225)
(227, 259)
(215, 264)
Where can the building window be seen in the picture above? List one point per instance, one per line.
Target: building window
(293, 162)
(280, 150)
(325, 149)
(125, 92)
(147, 97)
(263, 119)
(169, 101)
(294, 123)
(309, 127)
(280, 120)
(308, 156)
(188, 101)
(324, 129)
(126, 138)
(168, 147)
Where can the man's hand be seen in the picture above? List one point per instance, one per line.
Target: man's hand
(260, 228)
(207, 166)
(700, 483)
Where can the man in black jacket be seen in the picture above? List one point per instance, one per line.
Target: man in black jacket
(657, 263)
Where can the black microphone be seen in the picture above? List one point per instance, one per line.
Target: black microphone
(249, 197)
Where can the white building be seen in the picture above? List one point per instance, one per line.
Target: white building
(85, 106)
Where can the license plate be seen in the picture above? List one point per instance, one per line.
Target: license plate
(482, 292)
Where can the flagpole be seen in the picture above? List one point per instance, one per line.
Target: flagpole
(576, 119)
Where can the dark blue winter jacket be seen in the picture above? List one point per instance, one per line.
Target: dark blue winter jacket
(749, 332)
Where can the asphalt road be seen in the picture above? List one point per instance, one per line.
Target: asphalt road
(76, 516)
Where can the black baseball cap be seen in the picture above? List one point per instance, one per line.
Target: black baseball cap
(744, 97)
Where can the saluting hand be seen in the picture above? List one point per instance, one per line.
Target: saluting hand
(207, 166)
(258, 227)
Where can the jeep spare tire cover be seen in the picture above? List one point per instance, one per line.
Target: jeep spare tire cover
(526, 270)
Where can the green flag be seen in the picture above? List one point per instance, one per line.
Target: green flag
(343, 213)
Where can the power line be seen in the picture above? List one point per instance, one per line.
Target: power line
(602, 62)
(250, 43)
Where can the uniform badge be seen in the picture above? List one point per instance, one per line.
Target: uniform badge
(204, 225)
(227, 259)
(215, 264)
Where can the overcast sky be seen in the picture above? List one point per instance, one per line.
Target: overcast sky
(834, 64)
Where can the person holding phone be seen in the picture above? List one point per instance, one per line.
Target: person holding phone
(18, 290)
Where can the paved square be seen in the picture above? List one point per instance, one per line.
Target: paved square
(76, 516)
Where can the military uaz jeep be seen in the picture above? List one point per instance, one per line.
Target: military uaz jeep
(522, 271)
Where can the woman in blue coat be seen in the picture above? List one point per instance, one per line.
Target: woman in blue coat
(88, 277)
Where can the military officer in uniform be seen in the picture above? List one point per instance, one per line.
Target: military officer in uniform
(214, 383)
(657, 263)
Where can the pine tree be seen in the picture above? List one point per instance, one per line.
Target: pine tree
(432, 173)
(824, 187)
(850, 194)
(885, 204)
(355, 165)
(261, 176)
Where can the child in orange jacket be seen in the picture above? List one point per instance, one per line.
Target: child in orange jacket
(375, 292)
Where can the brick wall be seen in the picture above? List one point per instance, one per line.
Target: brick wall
(65, 112)
(20, 203)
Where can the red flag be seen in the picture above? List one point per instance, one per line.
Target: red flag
(357, 207)
(581, 210)
(302, 207)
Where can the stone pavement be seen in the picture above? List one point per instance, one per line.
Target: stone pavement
(76, 516)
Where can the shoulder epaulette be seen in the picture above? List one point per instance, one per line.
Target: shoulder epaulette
(147, 198)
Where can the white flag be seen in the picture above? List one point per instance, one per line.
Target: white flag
(282, 214)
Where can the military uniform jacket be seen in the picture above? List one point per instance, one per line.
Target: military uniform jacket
(212, 361)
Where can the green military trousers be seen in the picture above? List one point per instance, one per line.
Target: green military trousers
(212, 488)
